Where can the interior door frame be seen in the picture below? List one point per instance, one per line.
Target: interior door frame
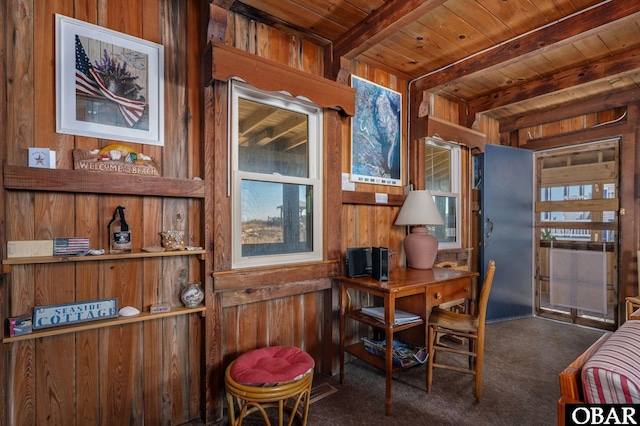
(541, 269)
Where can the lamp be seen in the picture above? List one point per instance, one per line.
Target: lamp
(420, 247)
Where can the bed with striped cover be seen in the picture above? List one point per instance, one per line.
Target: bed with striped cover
(612, 374)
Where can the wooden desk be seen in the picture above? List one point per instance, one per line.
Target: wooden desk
(411, 290)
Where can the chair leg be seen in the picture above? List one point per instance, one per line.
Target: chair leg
(479, 366)
(430, 344)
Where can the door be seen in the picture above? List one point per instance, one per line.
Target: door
(506, 214)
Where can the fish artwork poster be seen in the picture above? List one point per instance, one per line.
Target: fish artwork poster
(375, 134)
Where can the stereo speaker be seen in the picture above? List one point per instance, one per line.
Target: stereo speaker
(380, 263)
(359, 261)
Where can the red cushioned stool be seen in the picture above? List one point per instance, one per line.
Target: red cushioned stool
(272, 377)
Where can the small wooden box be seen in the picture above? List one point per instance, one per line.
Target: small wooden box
(32, 248)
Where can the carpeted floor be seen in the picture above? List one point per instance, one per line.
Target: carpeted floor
(522, 360)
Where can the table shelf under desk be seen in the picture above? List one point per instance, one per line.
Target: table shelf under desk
(414, 291)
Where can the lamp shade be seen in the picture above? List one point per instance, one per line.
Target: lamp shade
(420, 247)
(419, 209)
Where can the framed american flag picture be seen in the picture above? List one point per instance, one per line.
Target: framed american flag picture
(109, 85)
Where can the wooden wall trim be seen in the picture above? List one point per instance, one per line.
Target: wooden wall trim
(228, 62)
(562, 112)
(581, 136)
(354, 197)
(252, 295)
(248, 280)
(430, 126)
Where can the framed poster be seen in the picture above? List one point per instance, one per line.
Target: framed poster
(375, 134)
(109, 85)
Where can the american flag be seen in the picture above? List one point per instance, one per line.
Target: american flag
(89, 81)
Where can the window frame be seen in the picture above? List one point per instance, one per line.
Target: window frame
(315, 179)
(456, 186)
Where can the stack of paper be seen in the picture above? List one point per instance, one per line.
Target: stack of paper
(404, 355)
(400, 317)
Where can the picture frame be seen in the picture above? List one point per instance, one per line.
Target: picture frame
(376, 134)
(109, 85)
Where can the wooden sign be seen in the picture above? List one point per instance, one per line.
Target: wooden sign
(115, 158)
(70, 313)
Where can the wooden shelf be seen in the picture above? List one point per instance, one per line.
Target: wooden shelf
(80, 181)
(89, 258)
(111, 322)
(373, 322)
(358, 350)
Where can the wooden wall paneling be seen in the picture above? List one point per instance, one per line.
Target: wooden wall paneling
(4, 299)
(242, 33)
(54, 385)
(363, 221)
(312, 57)
(175, 152)
(231, 338)
(312, 326)
(212, 362)
(628, 246)
(279, 321)
(179, 376)
(18, 208)
(155, 408)
(222, 175)
(21, 388)
(121, 362)
(298, 324)
(153, 291)
(489, 127)
(125, 16)
(332, 204)
(20, 86)
(446, 109)
(194, 374)
(176, 367)
(218, 204)
(177, 342)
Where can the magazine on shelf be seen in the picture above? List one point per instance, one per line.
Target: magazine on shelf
(404, 354)
(400, 317)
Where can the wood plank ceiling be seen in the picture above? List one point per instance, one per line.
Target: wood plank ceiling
(504, 58)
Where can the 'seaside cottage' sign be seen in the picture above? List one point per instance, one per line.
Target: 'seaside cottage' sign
(69, 313)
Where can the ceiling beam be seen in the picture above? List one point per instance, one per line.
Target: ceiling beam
(592, 105)
(386, 20)
(557, 34)
(608, 67)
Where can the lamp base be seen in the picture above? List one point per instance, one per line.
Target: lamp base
(421, 248)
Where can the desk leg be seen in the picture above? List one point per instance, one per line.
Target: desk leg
(343, 304)
(388, 369)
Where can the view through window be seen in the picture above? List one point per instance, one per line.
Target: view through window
(277, 182)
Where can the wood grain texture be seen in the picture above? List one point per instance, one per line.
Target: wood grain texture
(100, 376)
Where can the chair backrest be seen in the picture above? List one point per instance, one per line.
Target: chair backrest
(484, 293)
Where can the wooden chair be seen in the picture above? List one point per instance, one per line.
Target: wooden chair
(471, 327)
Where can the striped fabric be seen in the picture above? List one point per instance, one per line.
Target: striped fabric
(612, 375)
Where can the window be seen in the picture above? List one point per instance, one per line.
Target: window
(277, 178)
(442, 178)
